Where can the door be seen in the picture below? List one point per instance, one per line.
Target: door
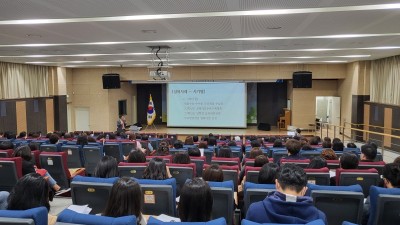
(82, 119)
(334, 110)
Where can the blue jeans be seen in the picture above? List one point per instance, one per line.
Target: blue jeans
(50, 179)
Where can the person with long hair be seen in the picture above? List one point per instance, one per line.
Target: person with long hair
(125, 199)
(31, 191)
(196, 201)
(213, 173)
(107, 167)
(156, 170)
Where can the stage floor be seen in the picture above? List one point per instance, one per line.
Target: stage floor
(250, 130)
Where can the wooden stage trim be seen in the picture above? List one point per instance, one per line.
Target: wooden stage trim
(250, 130)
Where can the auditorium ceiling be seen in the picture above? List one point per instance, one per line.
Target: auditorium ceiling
(96, 33)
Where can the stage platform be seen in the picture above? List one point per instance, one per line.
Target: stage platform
(250, 130)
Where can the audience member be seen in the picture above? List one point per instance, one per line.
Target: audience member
(107, 167)
(91, 139)
(5, 145)
(125, 199)
(335, 140)
(194, 152)
(327, 139)
(368, 153)
(337, 146)
(22, 135)
(349, 161)
(293, 148)
(351, 145)
(156, 170)
(189, 140)
(278, 143)
(212, 141)
(196, 201)
(254, 152)
(255, 144)
(195, 138)
(314, 141)
(145, 138)
(213, 173)
(268, 173)
(181, 158)
(317, 162)
(326, 144)
(288, 204)
(178, 144)
(82, 140)
(231, 143)
(136, 156)
(397, 160)
(31, 191)
(225, 152)
(162, 151)
(53, 139)
(306, 147)
(328, 154)
(28, 166)
(260, 160)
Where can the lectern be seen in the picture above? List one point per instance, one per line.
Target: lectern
(284, 119)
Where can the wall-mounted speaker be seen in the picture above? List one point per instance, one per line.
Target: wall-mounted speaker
(111, 81)
(302, 79)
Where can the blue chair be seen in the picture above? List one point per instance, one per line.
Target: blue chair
(159, 196)
(348, 223)
(74, 155)
(35, 216)
(253, 192)
(278, 154)
(310, 154)
(339, 206)
(48, 148)
(223, 205)
(154, 221)
(69, 216)
(248, 222)
(384, 202)
(127, 147)
(114, 150)
(353, 188)
(91, 155)
(92, 191)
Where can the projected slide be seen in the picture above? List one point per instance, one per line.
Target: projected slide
(206, 105)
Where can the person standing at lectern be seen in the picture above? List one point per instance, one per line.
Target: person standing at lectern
(121, 123)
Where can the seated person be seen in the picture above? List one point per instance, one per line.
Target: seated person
(225, 152)
(178, 144)
(260, 160)
(136, 156)
(213, 173)
(181, 158)
(326, 144)
(145, 137)
(288, 204)
(317, 163)
(278, 143)
(293, 147)
(195, 191)
(31, 191)
(194, 152)
(329, 154)
(268, 173)
(351, 145)
(125, 199)
(156, 170)
(348, 161)
(161, 151)
(368, 153)
(107, 167)
(24, 151)
(337, 146)
(391, 179)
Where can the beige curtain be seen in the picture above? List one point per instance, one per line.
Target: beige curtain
(385, 80)
(23, 81)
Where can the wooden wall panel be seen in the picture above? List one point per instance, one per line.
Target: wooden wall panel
(8, 120)
(21, 116)
(387, 124)
(36, 115)
(49, 115)
(366, 121)
(60, 113)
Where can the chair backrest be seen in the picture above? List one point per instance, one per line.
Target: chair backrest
(365, 178)
(368, 165)
(303, 163)
(48, 148)
(127, 147)
(159, 196)
(231, 173)
(315, 222)
(223, 201)
(318, 176)
(38, 215)
(56, 164)
(278, 154)
(69, 216)
(226, 161)
(199, 161)
(35, 158)
(255, 193)
(351, 188)
(333, 164)
(339, 205)
(182, 172)
(91, 155)
(91, 191)
(384, 202)
(10, 172)
(131, 169)
(74, 155)
(114, 150)
(252, 174)
(208, 153)
(6, 153)
(154, 221)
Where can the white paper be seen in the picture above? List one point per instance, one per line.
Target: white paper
(84, 209)
(166, 218)
(201, 151)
